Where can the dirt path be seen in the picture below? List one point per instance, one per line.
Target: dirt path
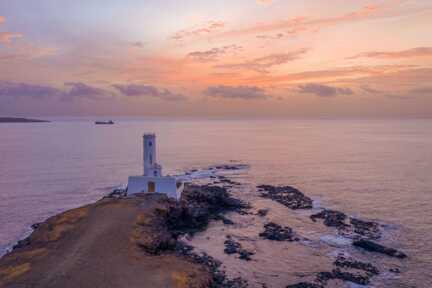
(94, 246)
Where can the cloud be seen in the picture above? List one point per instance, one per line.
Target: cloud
(72, 91)
(263, 64)
(137, 44)
(350, 72)
(236, 92)
(422, 90)
(324, 90)
(80, 90)
(12, 89)
(271, 37)
(2, 19)
(202, 30)
(410, 53)
(212, 54)
(301, 24)
(6, 37)
(148, 90)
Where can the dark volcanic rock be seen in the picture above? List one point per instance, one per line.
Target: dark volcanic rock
(199, 205)
(36, 225)
(342, 262)
(356, 229)
(286, 195)
(224, 220)
(276, 232)
(233, 247)
(324, 277)
(304, 285)
(332, 218)
(375, 247)
(368, 229)
(262, 212)
(22, 243)
(220, 280)
(395, 270)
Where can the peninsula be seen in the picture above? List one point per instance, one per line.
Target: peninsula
(122, 242)
(20, 120)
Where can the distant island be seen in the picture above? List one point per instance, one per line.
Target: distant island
(20, 120)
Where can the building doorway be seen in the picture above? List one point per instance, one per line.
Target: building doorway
(151, 187)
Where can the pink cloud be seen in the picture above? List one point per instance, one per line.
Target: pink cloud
(202, 30)
(300, 24)
(409, 53)
(2, 19)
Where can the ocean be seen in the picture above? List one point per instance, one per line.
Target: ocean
(373, 169)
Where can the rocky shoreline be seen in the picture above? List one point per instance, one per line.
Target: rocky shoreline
(154, 232)
(149, 229)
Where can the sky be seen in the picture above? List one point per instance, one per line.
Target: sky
(202, 58)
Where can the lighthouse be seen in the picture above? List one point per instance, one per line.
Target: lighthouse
(152, 180)
(151, 168)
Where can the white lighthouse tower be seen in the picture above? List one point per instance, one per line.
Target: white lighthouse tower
(152, 180)
(151, 168)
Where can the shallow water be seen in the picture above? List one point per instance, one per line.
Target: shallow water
(377, 169)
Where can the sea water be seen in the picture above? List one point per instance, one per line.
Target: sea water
(373, 169)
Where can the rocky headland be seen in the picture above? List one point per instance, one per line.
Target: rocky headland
(123, 242)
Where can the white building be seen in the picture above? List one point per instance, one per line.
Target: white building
(152, 180)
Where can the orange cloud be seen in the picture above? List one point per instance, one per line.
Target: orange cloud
(2, 19)
(213, 54)
(353, 72)
(6, 37)
(263, 64)
(410, 53)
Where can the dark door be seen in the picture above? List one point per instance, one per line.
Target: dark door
(151, 187)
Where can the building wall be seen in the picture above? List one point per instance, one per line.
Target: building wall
(166, 185)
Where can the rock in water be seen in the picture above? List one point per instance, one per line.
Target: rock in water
(375, 247)
(233, 247)
(262, 212)
(356, 229)
(276, 232)
(368, 229)
(332, 218)
(286, 195)
(324, 277)
(343, 262)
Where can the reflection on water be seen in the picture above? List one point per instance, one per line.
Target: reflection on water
(373, 169)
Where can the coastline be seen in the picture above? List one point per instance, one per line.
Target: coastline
(127, 240)
(21, 120)
(149, 238)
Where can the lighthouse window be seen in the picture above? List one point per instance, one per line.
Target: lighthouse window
(150, 144)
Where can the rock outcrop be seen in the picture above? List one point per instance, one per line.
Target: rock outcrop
(286, 195)
(273, 231)
(372, 246)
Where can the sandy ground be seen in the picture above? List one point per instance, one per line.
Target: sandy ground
(96, 246)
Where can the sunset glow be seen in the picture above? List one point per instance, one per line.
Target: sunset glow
(245, 58)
